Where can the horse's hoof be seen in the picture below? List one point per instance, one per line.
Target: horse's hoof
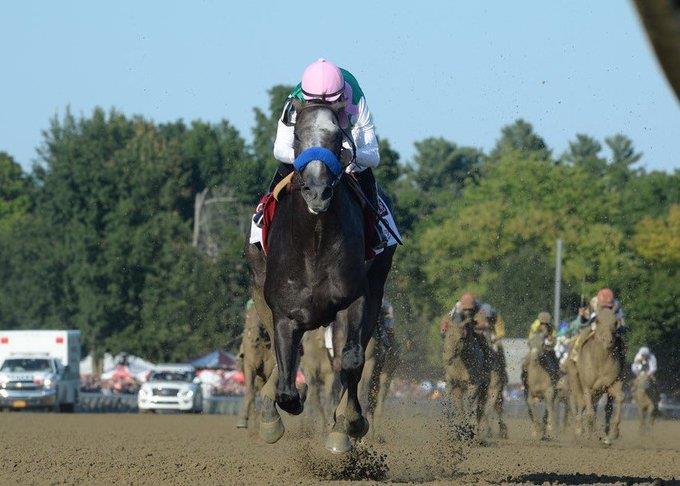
(242, 423)
(358, 429)
(271, 432)
(607, 441)
(302, 390)
(290, 403)
(338, 443)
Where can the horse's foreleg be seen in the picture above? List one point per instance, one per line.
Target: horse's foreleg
(550, 410)
(616, 398)
(248, 397)
(498, 406)
(383, 389)
(288, 336)
(349, 422)
(589, 412)
(271, 425)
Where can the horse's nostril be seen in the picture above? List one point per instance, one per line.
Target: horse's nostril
(327, 193)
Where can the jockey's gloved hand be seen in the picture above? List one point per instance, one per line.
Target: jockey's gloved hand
(346, 157)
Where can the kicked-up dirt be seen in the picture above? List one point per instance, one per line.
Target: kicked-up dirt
(40, 448)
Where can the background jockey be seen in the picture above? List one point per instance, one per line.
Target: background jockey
(490, 323)
(644, 362)
(603, 300)
(465, 309)
(543, 325)
(324, 81)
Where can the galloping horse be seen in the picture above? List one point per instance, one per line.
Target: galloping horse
(466, 374)
(316, 272)
(600, 371)
(541, 380)
(382, 359)
(498, 379)
(646, 395)
(320, 376)
(257, 360)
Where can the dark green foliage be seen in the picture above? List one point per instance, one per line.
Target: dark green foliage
(99, 236)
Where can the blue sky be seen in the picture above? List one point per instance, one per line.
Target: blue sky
(456, 69)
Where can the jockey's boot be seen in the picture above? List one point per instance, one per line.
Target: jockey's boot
(368, 185)
(281, 171)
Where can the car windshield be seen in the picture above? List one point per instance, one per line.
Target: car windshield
(19, 365)
(172, 376)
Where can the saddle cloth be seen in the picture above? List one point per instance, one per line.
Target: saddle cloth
(269, 202)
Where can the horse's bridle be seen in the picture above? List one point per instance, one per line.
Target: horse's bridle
(327, 104)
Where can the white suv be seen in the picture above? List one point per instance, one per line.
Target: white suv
(171, 387)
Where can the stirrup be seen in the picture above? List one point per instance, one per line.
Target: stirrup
(381, 242)
(258, 219)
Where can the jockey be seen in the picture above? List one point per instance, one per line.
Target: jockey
(465, 309)
(325, 82)
(603, 300)
(644, 363)
(543, 325)
(562, 341)
(490, 324)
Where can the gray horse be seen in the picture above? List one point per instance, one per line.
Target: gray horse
(315, 273)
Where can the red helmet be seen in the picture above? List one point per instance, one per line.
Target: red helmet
(605, 298)
(467, 301)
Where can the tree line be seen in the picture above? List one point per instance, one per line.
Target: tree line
(98, 236)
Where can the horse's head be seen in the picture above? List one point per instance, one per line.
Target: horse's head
(606, 327)
(537, 345)
(458, 333)
(317, 146)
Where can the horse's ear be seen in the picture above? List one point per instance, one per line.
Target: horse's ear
(297, 104)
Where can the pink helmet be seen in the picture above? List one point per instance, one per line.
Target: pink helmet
(323, 80)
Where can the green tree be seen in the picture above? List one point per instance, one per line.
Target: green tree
(15, 191)
(520, 136)
(264, 130)
(585, 152)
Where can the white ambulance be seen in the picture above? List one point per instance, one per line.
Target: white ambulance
(39, 369)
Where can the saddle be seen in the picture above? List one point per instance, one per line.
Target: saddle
(268, 203)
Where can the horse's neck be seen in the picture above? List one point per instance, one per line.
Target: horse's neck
(326, 233)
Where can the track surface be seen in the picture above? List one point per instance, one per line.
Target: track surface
(181, 449)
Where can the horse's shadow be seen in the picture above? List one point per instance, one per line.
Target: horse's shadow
(580, 478)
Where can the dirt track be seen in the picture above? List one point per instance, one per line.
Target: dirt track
(178, 449)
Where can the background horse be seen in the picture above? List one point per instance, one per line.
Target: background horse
(315, 273)
(382, 359)
(322, 380)
(257, 363)
(600, 371)
(541, 385)
(466, 375)
(498, 379)
(646, 396)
